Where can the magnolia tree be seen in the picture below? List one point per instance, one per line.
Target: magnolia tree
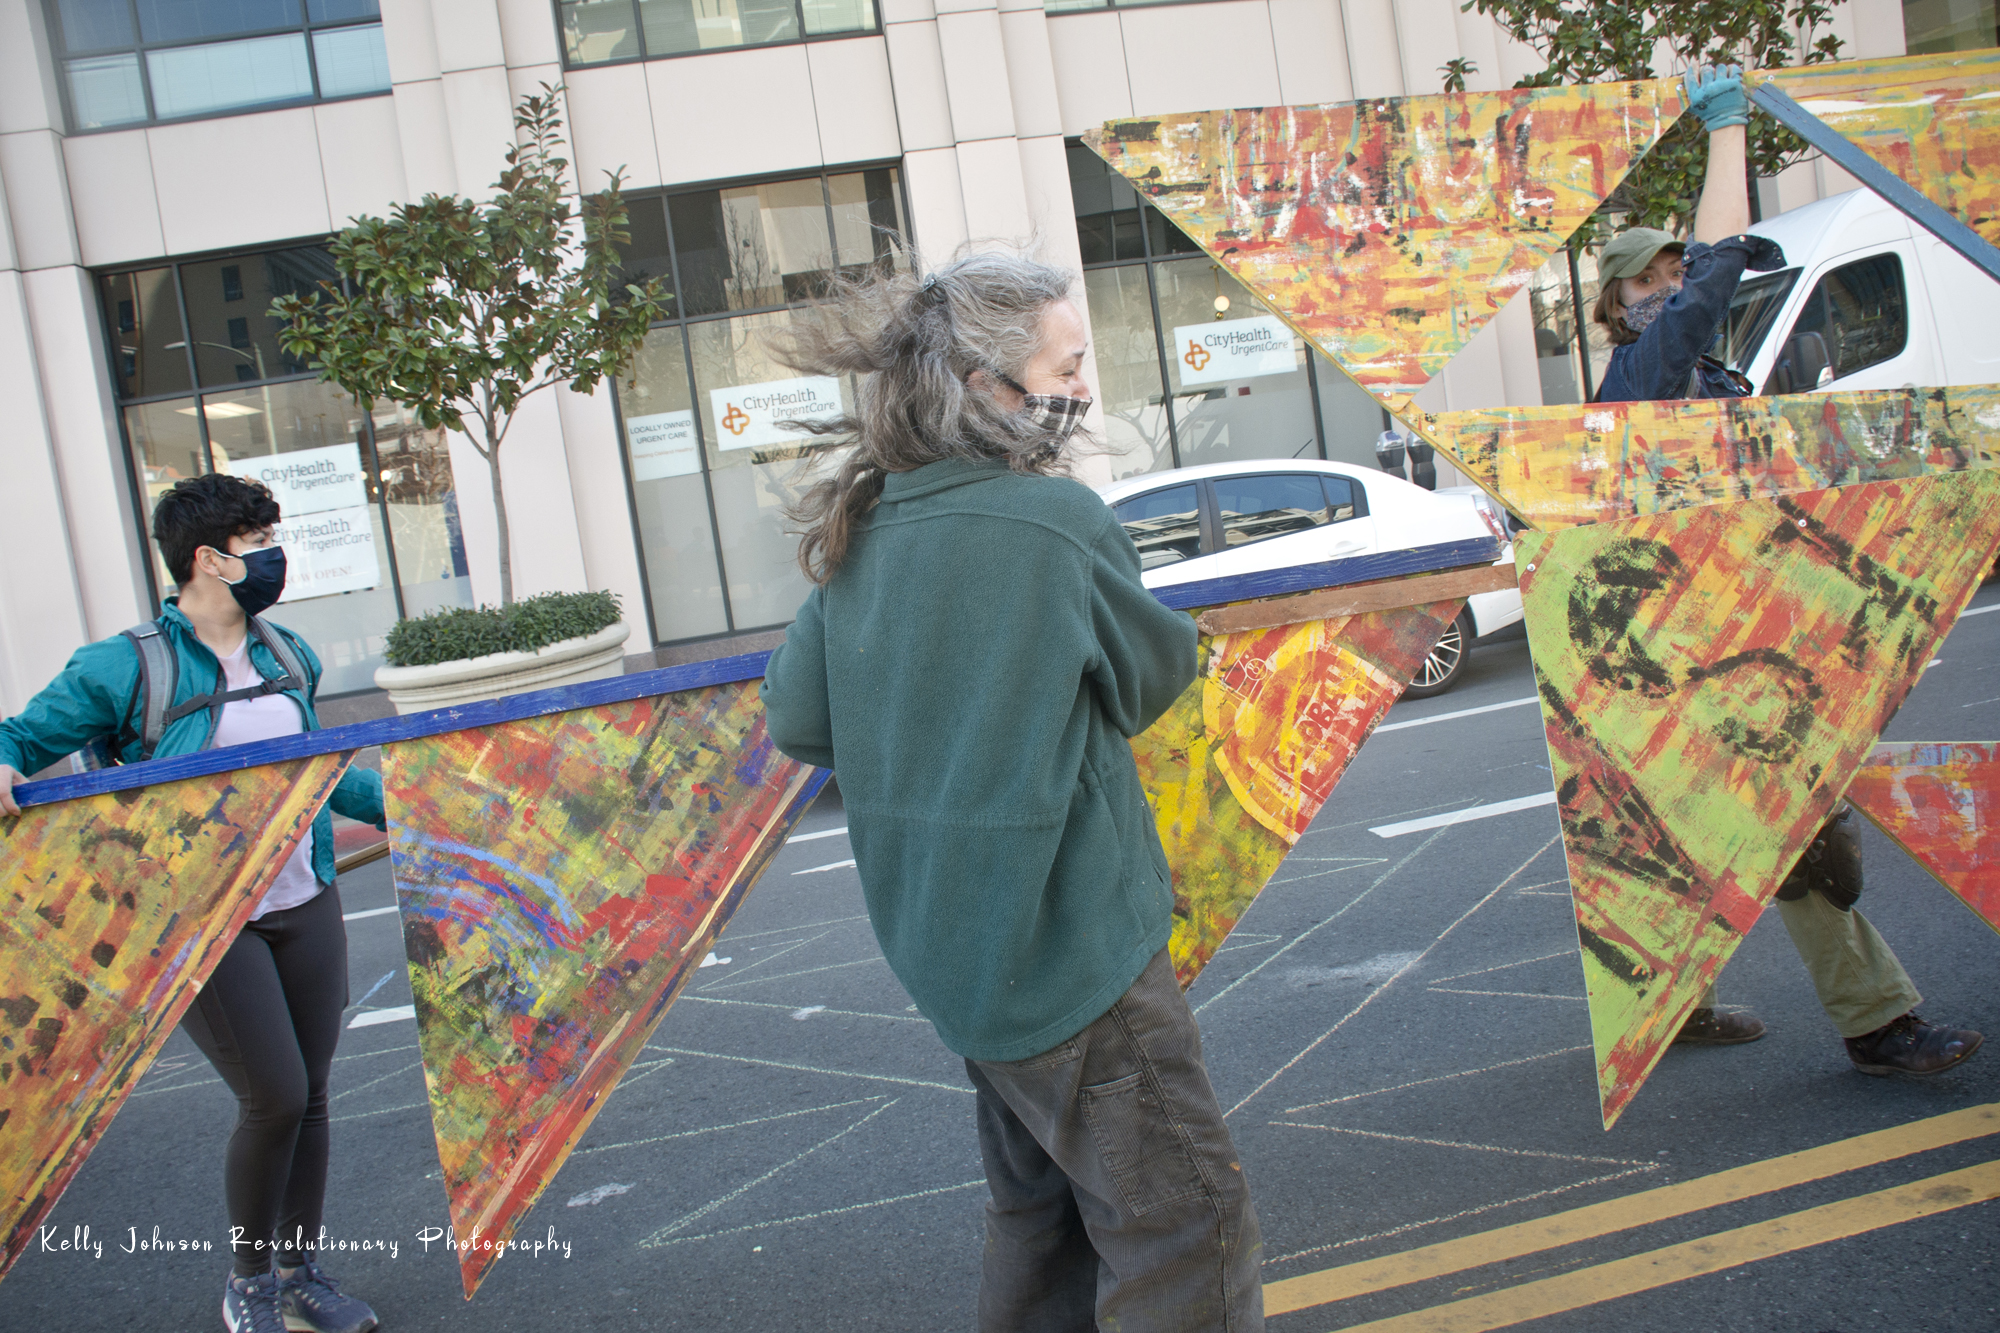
(461, 310)
(1603, 41)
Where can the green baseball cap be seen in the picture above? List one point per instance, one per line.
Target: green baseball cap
(1630, 251)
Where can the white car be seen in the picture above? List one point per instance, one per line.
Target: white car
(1223, 519)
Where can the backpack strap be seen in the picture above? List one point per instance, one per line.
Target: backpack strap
(152, 695)
(296, 677)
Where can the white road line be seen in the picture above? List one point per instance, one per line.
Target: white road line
(717, 1129)
(1372, 995)
(1469, 1147)
(780, 976)
(737, 938)
(1510, 994)
(1301, 936)
(384, 1078)
(815, 1069)
(373, 911)
(381, 1110)
(1441, 1078)
(830, 865)
(1464, 1213)
(796, 944)
(1463, 712)
(792, 1008)
(1465, 816)
(828, 1212)
(1975, 611)
(374, 1016)
(812, 837)
(670, 1228)
(1502, 967)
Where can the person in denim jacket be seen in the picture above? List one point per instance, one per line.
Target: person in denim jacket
(1663, 303)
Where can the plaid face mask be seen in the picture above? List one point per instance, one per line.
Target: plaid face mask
(1058, 414)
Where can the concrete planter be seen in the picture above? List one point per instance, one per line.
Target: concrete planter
(418, 689)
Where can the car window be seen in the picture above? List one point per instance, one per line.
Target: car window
(1255, 509)
(1860, 310)
(1165, 525)
(1751, 312)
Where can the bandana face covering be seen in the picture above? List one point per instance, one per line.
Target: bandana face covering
(1641, 313)
(1059, 415)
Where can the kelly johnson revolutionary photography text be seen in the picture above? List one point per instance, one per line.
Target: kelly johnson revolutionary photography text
(85, 1240)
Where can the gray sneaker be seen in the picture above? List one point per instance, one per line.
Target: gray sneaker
(250, 1305)
(312, 1302)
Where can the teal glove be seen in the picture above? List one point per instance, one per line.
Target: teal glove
(1715, 93)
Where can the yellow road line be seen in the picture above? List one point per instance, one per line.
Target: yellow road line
(1634, 1210)
(1694, 1258)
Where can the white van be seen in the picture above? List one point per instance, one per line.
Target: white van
(1868, 299)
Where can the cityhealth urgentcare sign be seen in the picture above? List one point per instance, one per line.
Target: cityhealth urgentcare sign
(328, 530)
(747, 415)
(1234, 349)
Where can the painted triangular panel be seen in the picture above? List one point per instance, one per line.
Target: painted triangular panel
(1573, 463)
(117, 908)
(1389, 231)
(560, 879)
(1710, 680)
(1940, 801)
(1933, 120)
(1238, 767)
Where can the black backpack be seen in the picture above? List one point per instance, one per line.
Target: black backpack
(160, 675)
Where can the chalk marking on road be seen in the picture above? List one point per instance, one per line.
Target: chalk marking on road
(828, 1212)
(1244, 940)
(1706, 1254)
(815, 1069)
(670, 1228)
(815, 837)
(380, 1110)
(780, 976)
(1622, 1214)
(1502, 967)
(1463, 712)
(1535, 890)
(1507, 994)
(790, 1008)
(795, 944)
(1460, 1215)
(1301, 937)
(644, 1069)
(1358, 863)
(375, 1016)
(386, 978)
(1356, 823)
(372, 911)
(591, 1198)
(718, 1129)
(1370, 998)
(384, 1078)
(830, 865)
(204, 1082)
(1440, 1078)
(1476, 1147)
(735, 938)
(1466, 816)
(1970, 611)
(1976, 702)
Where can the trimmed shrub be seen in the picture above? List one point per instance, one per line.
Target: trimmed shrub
(458, 632)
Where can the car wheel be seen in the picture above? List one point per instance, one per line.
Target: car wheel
(1441, 669)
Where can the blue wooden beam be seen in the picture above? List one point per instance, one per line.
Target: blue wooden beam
(1878, 178)
(696, 675)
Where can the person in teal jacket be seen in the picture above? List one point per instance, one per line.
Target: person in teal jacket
(269, 1016)
(974, 656)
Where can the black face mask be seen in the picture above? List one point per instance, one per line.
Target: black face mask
(263, 581)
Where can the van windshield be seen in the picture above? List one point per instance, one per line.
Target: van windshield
(1751, 313)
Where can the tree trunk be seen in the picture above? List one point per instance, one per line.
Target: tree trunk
(500, 523)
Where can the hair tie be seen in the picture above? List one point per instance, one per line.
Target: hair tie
(932, 292)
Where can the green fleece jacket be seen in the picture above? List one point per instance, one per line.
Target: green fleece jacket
(972, 673)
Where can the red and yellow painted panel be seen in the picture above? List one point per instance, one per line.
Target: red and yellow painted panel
(1248, 754)
(1576, 463)
(117, 909)
(1934, 120)
(560, 878)
(1940, 801)
(1389, 231)
(1710, 679)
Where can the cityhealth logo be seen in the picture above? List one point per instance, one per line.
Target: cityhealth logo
(735, 420)
(1197, 356)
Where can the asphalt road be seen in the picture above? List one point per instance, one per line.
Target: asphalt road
(1396, 1028)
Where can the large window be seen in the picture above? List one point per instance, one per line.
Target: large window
(370, 517)
(125, 62)
(713, 466)
(1949, 25)
(1191, 367)
(597, 32)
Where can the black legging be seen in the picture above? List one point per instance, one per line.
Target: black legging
(268, 1020)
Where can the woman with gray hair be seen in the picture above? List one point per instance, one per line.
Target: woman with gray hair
(972, 660)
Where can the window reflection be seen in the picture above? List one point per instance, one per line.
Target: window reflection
(668, 493)
(751, 247)
(1165, 525)
(1128, 369)
(1239, 378)
(166, 447)
(229, 307)
(148, 354)
(595, 31)
(196, 80)
(1255, 509)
